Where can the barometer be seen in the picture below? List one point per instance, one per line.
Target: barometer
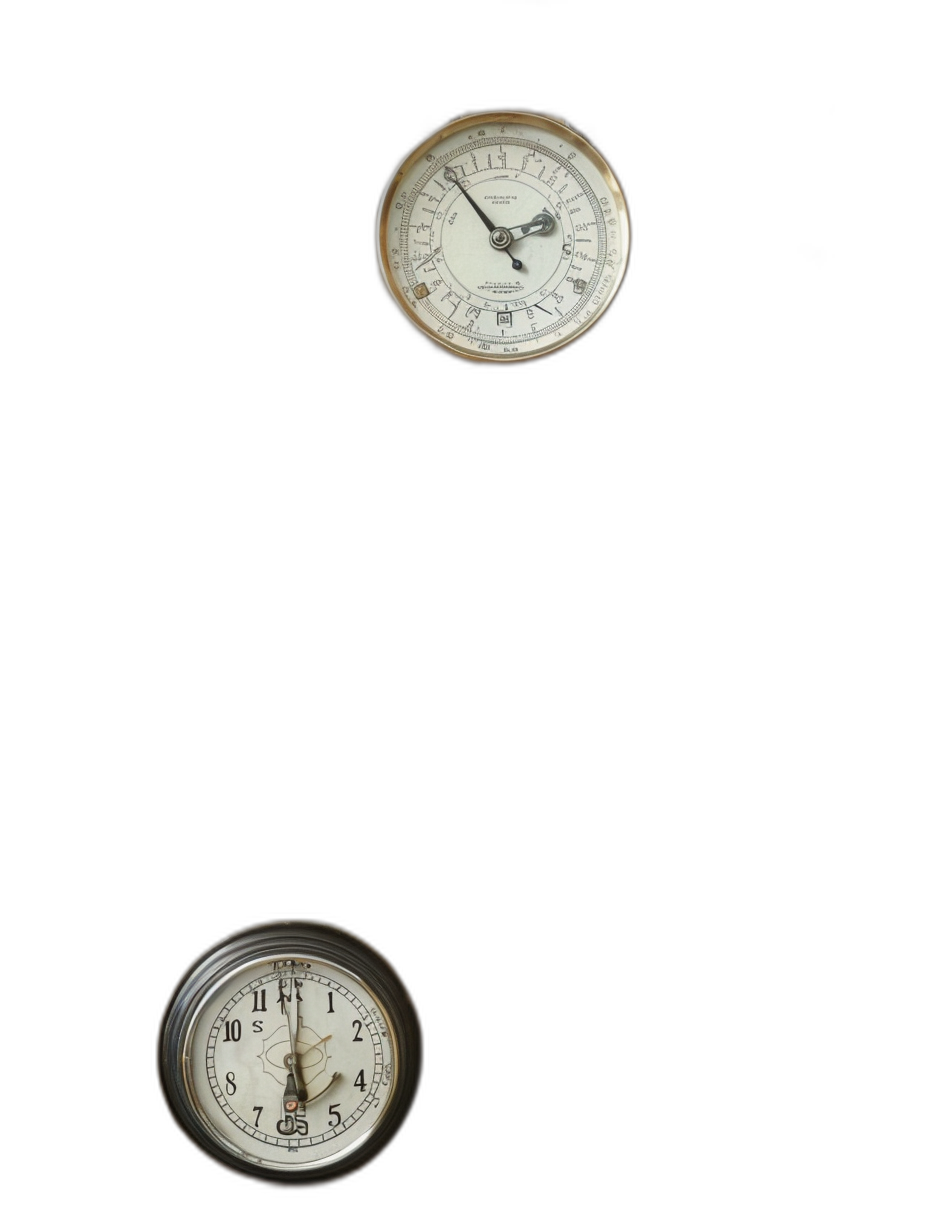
(290, 1051)
(504, 235)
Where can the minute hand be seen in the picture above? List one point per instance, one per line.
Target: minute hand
(453, 177)
(294, 1056)
(490, 226)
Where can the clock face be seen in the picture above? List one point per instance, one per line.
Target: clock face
(291, 1051)
(277, 1086)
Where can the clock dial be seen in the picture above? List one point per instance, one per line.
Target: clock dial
(276, 1045)
(291, 1051)
(504, 235)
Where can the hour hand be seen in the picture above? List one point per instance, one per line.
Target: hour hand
(541, 224)
(294, 1092)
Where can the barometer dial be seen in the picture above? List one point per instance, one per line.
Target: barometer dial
(290, 1051)
(504, 235)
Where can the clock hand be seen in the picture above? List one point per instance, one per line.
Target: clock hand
(324, 1089)
(293, 1096)
(317, 1043)
(292, 1060)
(452, 176)
(543, 223)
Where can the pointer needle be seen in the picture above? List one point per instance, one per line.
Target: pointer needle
(293, 1079)
(452, 175)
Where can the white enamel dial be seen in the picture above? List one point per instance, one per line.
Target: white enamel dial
(291, 1062)
(504, 236)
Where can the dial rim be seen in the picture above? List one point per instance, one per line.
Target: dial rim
(608, 207)
(218, 968)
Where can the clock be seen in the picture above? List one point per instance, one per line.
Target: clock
(290, 1051)
(504, 235)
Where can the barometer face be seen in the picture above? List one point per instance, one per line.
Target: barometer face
(504, 235)
(290, 1051)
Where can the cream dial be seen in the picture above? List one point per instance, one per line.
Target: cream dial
(504, 236)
